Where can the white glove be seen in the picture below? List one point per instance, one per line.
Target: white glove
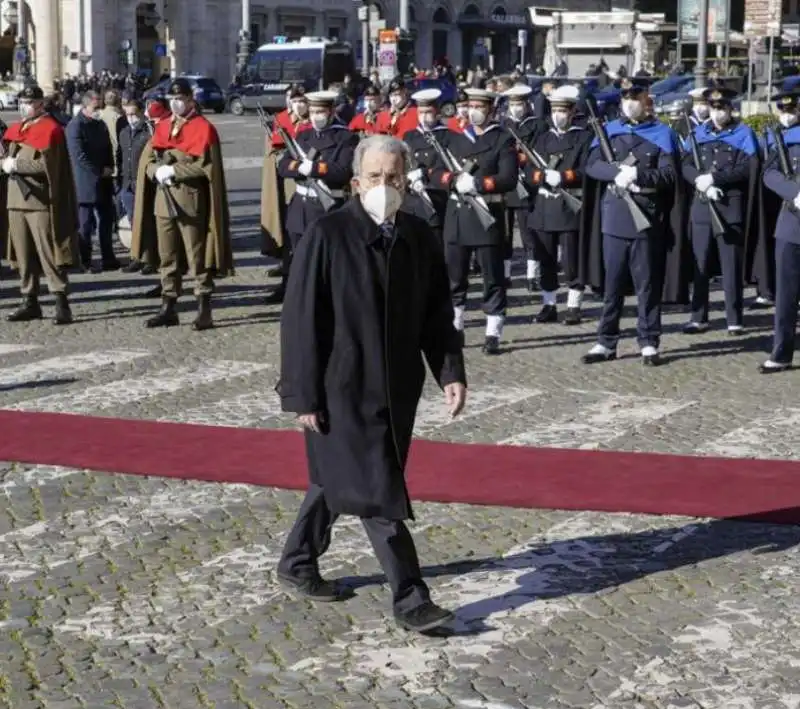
(634, 188)
(418, 186)
(714, 193)
(415, 176)
(552, 178)
(9, 165)
(305, 168)
(165, 174)
(797, 201)
(465, 184)
(703, 182)
(623, 180)
(630, 173)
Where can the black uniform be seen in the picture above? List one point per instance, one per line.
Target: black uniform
(425, 158)
(552, 223)
(517, 208)
(496, 157)
(334, 148)
(730, 155)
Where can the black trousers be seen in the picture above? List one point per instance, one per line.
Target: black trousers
(508, 246)
(730, 248)
(546, 251)
(391, 541)
(787, 293)
(490, 259)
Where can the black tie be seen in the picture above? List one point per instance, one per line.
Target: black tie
(387, 232)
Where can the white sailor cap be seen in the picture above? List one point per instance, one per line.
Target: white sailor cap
(697, 94)
(322, 98)
(426, 97)
(481, 95)
(518, 91)
(564, 95)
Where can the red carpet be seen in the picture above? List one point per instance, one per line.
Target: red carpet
(511, 476)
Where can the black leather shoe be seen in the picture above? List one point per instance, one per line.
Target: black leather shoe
(760, 304)
(203, 320)
(695, 328)
(315, 588)
(29, 310)
(63, 311)
(166, 317)
(735, 331)
(148, 270)
(773, 369)
(651, 360)
(548, 313)
(597, 357)
(276, 297)
(275, 272)
(572, 317)
(132, 267)
(491, 346)
(423, 618)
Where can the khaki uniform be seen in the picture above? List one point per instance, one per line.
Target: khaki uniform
(182, 241)
(29, 225)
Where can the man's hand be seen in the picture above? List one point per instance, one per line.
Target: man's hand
(309, 421)
(456, 396)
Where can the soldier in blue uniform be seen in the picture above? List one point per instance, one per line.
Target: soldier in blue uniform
(424, 159)
(519, 117)
(627, 253)
(331, 163)
(496, 172)
(699, 114)
(552, 224)
(728, 180)
(787, 238)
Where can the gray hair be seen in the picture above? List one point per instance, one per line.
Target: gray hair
(381, 144)
(88, 97)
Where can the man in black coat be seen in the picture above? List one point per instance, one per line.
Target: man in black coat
(367, 297)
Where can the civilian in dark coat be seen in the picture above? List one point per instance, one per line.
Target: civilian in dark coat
(92, 159)
(361, 310)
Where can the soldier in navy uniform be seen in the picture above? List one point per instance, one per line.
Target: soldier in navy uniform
(728, 179)
(331, 163)
(495, 155)
(521, 120)
(787, 239)
(424, 193)
(625, 253)
(565, 148)
(699, 114)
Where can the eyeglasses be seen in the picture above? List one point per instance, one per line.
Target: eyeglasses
(375, 179)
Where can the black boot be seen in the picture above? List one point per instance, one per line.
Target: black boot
(203, 320)
(167, 317)
(63, 312)
(29, 310)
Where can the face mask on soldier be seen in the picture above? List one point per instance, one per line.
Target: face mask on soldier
(701, 111)
(300, 108)
(177, 106)
(516, 111)
(720, 116)
(397, 100)
(26, 110)
(428, 120)
(787, 120)
(632, 109)
(319, 120)
(560, 119)
(371, 106)
(477, 116)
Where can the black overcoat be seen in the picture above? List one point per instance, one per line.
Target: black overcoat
(354, 329)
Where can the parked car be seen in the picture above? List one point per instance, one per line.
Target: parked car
(207, 92)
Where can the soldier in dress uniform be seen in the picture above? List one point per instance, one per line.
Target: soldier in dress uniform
(728, 180)
(366, 123)
(460, 120)
(520, 118)
(787, 238)
(700, 112)
(276, 192)
(495, 156)
(424, 159)
(42, 207)
(552, 224)
(401, 116)
(626, 252)
(181, 194)
(329, 148)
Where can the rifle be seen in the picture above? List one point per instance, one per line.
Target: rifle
(23, 186)
(468, 166)
(427, 205)
(640, 220)
(783, 159)
(173, 210)
(265, 122)
(717, 225)
(533, 157)
(765, 138)
(326, 199)
(521, 190)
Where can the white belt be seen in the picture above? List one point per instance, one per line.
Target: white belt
(312, 193)
(488, 198)
(547, 193)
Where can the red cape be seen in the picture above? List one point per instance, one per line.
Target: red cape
(39, 135)
(194, 138)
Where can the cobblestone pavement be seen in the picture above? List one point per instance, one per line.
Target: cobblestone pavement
(135, 592)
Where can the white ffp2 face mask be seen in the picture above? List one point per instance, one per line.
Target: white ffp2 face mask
(477, 117)
(787, 120)
(701, 112)
(319, 120)
(632, 109)
(516, 111)
(177, 106)
(720, 117)
(560, 119)
(381, 202)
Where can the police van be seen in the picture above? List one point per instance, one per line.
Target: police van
(313, 62)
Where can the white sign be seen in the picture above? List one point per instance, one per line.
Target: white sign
(522, 38)
(387, 55)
